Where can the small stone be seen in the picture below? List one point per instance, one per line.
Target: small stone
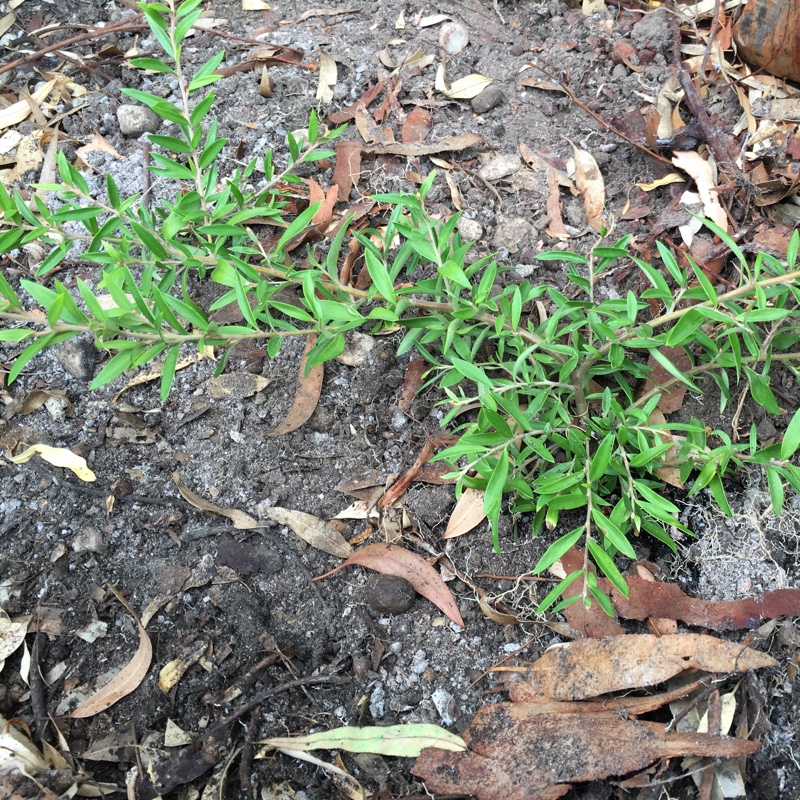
(78, 358)
(453, 38)
(390, 594)
(514, 233)
(500, 167)
(89, 540)
(135, 120)
(470, 229)
(488, 99)
(357, 350)
(446, 706)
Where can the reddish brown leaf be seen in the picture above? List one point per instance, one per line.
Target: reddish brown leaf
(417, 126)
(517, 753)
(348, 168)
(415, 371)
(307, 396)
(459, 142)
(556, 227)
(324, 214)
(399, 487)
(392, 560)
(370, 132)
(346, 114)
(672, 398)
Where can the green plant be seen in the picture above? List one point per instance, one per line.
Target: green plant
(557, 422)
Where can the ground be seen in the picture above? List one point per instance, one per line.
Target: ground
(248, 596)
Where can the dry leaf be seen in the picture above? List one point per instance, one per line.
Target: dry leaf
(255, 5)
(467, 514)
(98, 142)
(12, 635)
(459, 142)
(392, 560)
(127, 679)
(417, 126)
(694, 165)
(671, 473)
(593, 667)
(347, 171)
(412, 381)
(313, 530)
(241, 521)
(307, 396)
(490, 612)
(19, 111)
(327, 77)
(236, 385)
(464, 88)
(58, 457)
(174, 670)
(589, 182)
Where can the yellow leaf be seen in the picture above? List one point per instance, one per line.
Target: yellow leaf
(58, 457)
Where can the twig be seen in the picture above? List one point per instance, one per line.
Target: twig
(712, 132)
(607, 125)
(712, 34)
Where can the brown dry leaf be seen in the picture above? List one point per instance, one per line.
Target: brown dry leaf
(12, 635)
(592, 667)
(412, 381)
(467, 514)
(19, 111)
(241, 521)
(155, 374)
(236, 385)
(347, 171)
(98, 142)
(462, 89)
(490, 612)
(370, 132)
(324, 214)
(556, 227)
(518, 752)
(307, 396)
(319, 12)
(392, 560)
(694, 165)
(590, 185)
(127, 679)
(417, 126)
(445, 144)
(399, 487)
(346, 114)
(37, 398)
(313, 530)
(327, 77)
(266, 86)
(174, 670)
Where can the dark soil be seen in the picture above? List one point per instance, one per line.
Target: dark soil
(63, 542)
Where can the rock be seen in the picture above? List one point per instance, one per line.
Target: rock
(135, 120)
(357, 350)
(488, 99)
(89, 540)
(500, 167)
(453, 38)
(470, 229)
(389, 594)
(514, 233)
(78, 357)
(653, 30)
(446, 706)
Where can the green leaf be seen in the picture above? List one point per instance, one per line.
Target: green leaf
(152, 64)
(380, 276)
(15, 334)
(718, 493)
(791, 439)
(557, 591)
(113, 368)
(775, 485)
(168, 371)
(613, 533)
(35, 347)
(170, 143)
(472, 372)
(673, 370)
(558, 548)
(603, 560)
(601, 459)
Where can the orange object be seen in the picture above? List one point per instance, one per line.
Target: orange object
(768, 36)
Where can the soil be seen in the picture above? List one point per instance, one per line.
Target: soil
(245, 599)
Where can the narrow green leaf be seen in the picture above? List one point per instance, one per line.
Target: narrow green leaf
(603, 560)
(775, 485)
(601, 459)
(791, 439)
(558, 548)
(557, 591)
(168, 372)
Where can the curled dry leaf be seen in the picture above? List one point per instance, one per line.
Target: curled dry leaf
(327, 77)
(12, 635)
(694, 165)
(313, 530)
(19, 111)
(127, 679)
(174, 670)
(305, 400)
(406, 741)
(240, 520)
(392, 560)
(462, 89)
(58, 457)
(590, 184)
(467, 514)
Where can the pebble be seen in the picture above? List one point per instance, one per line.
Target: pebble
(356, 351)
(500, 167)
(470, 229)
(78, 358)
(445, 705)
(453, 38)
(89, 540)
(513, 233)
(390, 594)
(135, 120)
(488, 99)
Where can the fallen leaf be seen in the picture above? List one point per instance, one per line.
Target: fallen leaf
(346, 114)
(127, 679)
(399, 487)
(58, 457)
(174, 670)
(467, 514)
(447, 143)
(236, 385)
(19, 111)
(327, 77)
(593, 667)
(313, 530)
(306, 398)
(175, 736)
(694, 165)
(392, 560)
(590, 185)
(417, 126)
(371, 132)
(347, 171)
(254, 5)
(12, 635)
(241, 521)
(406, 741)
(17, 751)
(462, 89)
(412, 381)
(671, 472)
(517, 753)
(98, 142)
